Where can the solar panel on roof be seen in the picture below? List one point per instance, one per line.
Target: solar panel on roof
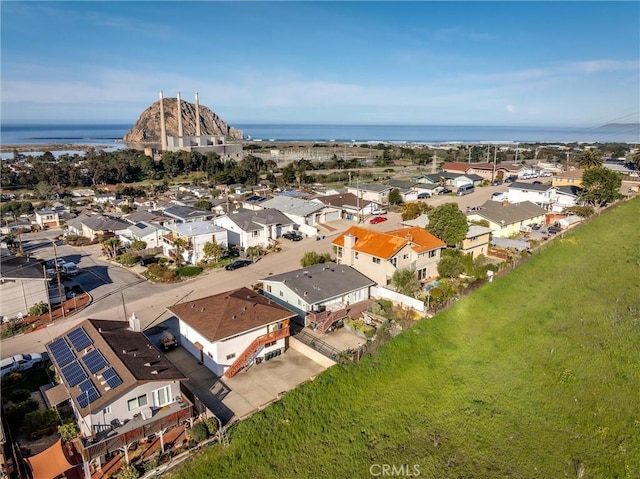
(89, 393)
(94, 361)
(80, 339)
(112, 378)
(74, 374)
(61, 352)
(141, 225)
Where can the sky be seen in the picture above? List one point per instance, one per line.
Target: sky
(422, 63)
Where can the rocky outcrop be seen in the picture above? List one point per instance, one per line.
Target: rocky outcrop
(147, 128)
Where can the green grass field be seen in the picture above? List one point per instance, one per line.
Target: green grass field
(536, 375)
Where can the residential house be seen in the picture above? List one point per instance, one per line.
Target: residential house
(47, 218)
(96, 225)
(120, 387)
(476, 241)
(232, 330)
(352, 207)
(105, 198)
(568, 178)
(306, 214)
(508, 219)
(323, 287)
(184, 214)
(248, 228)
(196, 234)
(151, 234)
(253, 202)
(23, 283)
(372, 192)
(378, 255)
(546, 196)
(435, 181)
(488, 171)
(407, 189)
(154, 217)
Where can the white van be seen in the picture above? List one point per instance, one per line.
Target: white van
(465, 189)
(70, 269)
(19, 362)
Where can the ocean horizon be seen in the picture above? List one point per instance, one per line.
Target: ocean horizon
(111, 134)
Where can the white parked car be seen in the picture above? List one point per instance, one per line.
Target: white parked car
(19, 362)
(379, 211)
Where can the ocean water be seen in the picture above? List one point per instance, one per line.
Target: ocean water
(111, 134)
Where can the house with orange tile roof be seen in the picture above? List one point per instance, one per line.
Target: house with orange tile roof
(378, 255)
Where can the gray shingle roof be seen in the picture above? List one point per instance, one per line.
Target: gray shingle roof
(292, 206)
(509, 213)
(518, 185)
(187, 212)
(323, 281)
(248, 220)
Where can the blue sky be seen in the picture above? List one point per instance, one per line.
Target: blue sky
(451, 63)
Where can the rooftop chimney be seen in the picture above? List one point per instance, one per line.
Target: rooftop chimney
(163, 127)
(134, 323)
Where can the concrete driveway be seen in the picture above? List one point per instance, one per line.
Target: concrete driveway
(248, 391)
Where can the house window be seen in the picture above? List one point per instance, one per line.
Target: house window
(135, 403)
(268, 288)
(231, 356)
(299, 302)
(107, 410)
(356, 255)
(376, 260)
(433, 253)
(281, 294)
(268, 345)
(394, 261)
(255, 233)
(471, 240)
(162, 396)
(405, 256)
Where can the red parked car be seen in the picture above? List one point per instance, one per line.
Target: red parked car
(377, 219)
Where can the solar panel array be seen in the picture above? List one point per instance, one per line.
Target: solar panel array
(62, 352)
(89, 393)
(74, 374)
(94, 361)
(71, 365)
(80, 339)
(112, 378)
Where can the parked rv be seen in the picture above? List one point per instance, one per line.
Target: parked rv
(465, 189)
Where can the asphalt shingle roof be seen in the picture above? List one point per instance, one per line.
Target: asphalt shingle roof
(323, 281)
(231, 313)
(292, 206)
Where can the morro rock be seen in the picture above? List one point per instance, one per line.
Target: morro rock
(147, 128)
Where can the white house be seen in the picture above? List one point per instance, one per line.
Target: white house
(303, 212)
(229, 331)
(120, 387)
(143, 231)
(372, 192)
(551, 198)
(248, 228)
(196, 234)
(317, 288)
(23, 283)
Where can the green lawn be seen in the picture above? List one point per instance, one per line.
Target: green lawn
(536, 375)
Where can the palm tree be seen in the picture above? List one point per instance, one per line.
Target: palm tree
(634, 159)
(179, 243)
(590, 159)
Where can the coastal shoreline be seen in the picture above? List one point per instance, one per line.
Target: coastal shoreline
(37, 147)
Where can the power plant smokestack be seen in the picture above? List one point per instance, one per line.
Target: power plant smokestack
(197, 116)
(180, 132)
(163, 128)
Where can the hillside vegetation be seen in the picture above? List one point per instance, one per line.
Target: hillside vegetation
(536, 375)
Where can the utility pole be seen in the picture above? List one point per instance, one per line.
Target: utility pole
(60, 288)
(495, 154)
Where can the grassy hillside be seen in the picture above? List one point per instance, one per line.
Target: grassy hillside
(536, 375)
